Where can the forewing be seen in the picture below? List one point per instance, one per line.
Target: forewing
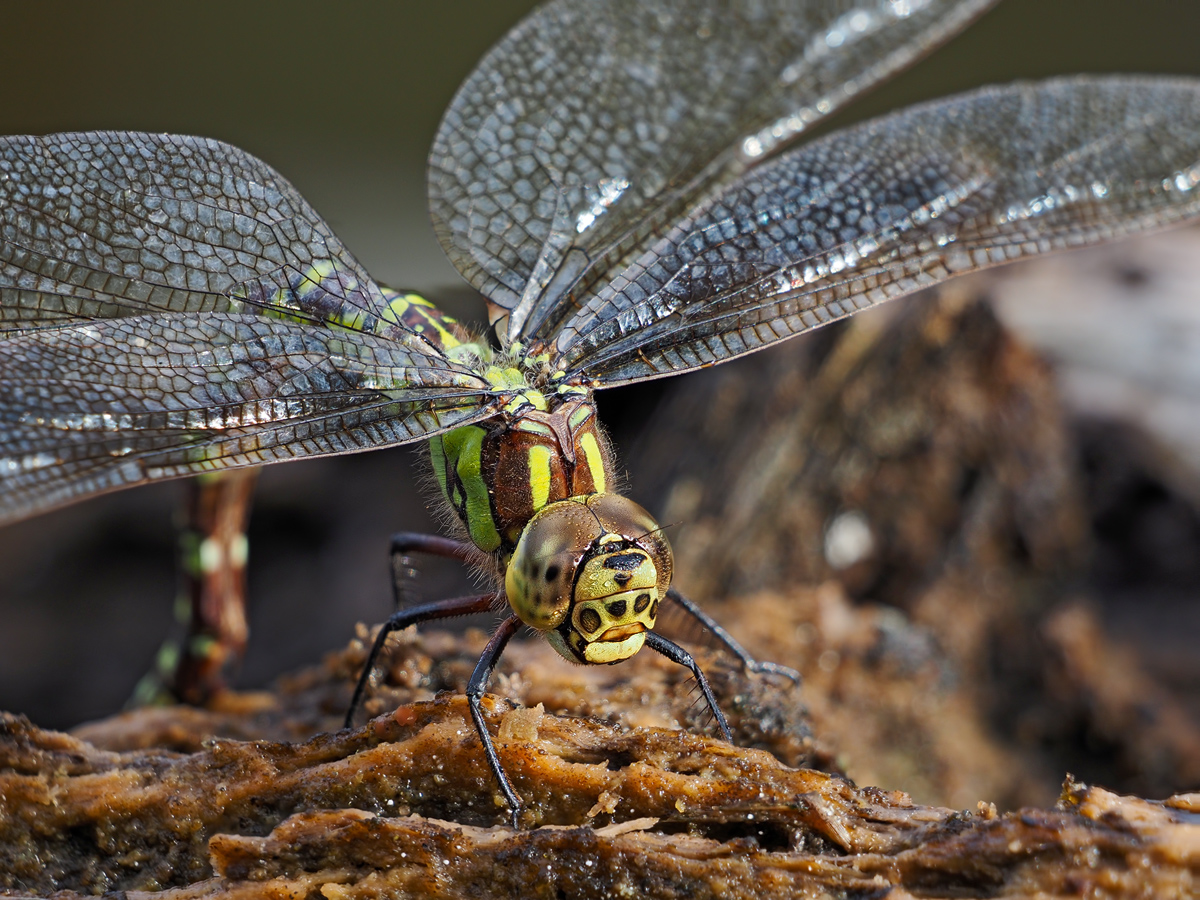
(595, 122)
(106, 224)
(891, 206)
(109, 404)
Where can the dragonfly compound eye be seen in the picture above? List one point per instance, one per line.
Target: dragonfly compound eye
(589, 572)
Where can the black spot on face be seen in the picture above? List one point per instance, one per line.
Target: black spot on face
(616, 609)
(589, 620)
(551, 573)
(654, 610)
(622, 578)
(624, 561)
(640, 604)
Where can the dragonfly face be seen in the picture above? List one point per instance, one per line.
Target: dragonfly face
(615, 179)
(589, 573)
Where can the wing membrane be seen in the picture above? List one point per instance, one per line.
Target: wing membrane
(109, 404)
(106, 224)
(891, 206)
(595, 122)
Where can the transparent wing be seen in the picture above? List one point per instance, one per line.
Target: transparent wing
(593, 123)
(891, 206)
(103, 405)
(105, 224)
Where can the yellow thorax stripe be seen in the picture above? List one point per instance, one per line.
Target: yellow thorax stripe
(539, 476)
(595, 460)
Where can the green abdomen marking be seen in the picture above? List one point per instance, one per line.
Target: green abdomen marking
(457, 458)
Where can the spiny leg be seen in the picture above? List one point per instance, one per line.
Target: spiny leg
(404, 572)
(675, 653)
(402, 618)
(475, 688)
(749, 663)
(406, 542)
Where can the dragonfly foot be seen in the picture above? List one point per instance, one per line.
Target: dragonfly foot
(770, 668)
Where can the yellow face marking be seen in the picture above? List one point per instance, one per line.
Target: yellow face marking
(615, 605)
(612, 575)
(602, 652)
(595, 460)
(539, 475)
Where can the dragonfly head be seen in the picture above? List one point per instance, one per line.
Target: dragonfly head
(589, 573)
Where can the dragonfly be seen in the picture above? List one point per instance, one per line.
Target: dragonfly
(629, 187)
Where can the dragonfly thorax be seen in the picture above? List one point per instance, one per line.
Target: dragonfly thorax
(589, 572)
(498, 474)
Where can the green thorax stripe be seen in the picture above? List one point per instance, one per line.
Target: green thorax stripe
(457, 458)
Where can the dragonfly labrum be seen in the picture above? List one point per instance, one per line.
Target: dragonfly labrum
(619, 181)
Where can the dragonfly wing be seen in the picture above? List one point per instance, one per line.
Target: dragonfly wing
(106, 224)
(593, 123)
(102, 405)
(888, 207)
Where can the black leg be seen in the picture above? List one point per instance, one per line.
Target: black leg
(404, 571)
(475, 688)
(675, 653)
(402, 618)
(749, 663)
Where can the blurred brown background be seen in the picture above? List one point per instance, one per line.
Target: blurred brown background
(344, 102)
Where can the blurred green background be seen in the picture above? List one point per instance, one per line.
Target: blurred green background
(343, 99)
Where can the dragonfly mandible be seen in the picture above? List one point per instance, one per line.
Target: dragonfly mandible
(618, 180)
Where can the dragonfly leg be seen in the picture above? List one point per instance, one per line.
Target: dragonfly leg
(211, 605)
(675, 653)
(749, 663)
(475, 688)
(404, 571)
(401, 619)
